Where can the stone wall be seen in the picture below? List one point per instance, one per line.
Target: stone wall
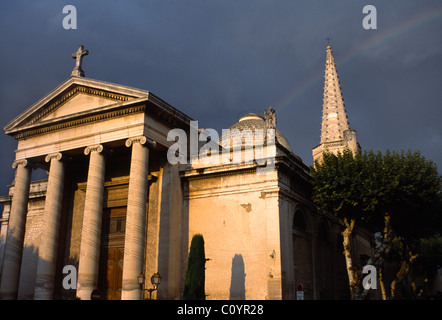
(238, 216)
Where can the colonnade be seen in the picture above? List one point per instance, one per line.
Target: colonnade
(134, 247)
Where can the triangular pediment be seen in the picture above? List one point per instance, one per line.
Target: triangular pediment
(80, 99)
(75, 96)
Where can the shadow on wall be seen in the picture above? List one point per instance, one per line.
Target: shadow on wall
(238, 279)
(28, 270)
(25, 281)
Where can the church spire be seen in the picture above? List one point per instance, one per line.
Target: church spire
(334, 116)
(336, 134)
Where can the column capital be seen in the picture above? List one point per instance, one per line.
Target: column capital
(23, 162)
(97, 148)
(141, 140)
(56, 155)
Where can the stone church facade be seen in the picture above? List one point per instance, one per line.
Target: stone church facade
(113, 206)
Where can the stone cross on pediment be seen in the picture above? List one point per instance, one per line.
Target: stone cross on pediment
(78, 71)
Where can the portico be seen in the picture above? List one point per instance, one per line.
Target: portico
(78, 130)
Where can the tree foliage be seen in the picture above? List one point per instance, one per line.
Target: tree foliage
(397, 192)
(338, 186)
(368, 185)
(195, 274)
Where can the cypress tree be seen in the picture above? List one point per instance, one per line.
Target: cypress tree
(195, 273)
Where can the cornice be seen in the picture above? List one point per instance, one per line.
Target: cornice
(265, 192)
(293, 196)
(64, 90)
(78, 120)
(197, 174)
(62, 99)
(169, 114)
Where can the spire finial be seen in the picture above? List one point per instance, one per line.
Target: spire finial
(328, 40)
(78, 55)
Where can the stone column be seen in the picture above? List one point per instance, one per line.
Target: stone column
(91, 230)
(47, 251)
(16, 231)
(135, 237)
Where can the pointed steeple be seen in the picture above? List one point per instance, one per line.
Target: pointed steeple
(334, 116)
(336, 134)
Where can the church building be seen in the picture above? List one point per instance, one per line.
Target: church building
(114, 210)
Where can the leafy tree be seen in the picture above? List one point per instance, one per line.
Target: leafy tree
(419, 260)
(195, 274)
(381, 192)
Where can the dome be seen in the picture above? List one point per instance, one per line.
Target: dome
(253, 121)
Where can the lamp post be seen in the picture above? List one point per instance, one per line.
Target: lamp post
(155, 280)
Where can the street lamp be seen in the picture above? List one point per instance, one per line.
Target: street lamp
(155, 280)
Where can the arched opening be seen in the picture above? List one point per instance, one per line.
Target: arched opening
(325, 266)
(323, 232)
(299, 221)
(302, 255)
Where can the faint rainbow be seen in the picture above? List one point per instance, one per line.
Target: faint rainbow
(379, 38)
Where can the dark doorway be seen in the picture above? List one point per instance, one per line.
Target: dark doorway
(112, 253)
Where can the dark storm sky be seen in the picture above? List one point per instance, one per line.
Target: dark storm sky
(216, 60)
